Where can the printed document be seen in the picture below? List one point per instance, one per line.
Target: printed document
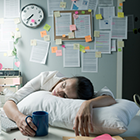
(105, 2)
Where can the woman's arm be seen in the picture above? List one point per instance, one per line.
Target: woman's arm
(83, 119)
(14, 114)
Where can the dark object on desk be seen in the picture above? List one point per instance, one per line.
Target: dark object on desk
(136, 98)
(4, 73)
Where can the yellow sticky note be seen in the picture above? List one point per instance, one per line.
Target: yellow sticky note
(121, 14)
(5, 54)
(57, 14)
(17, 29)
(47, 27)
(88, 38)
(58, 41)
(58, 52)
(46, 37)
(89, 10)
(76, 46)
(87, 48)
(43, 33)
(63, 4)
(120, 43)
(98, 16)
(53, 49)
(96, 34)
(98, 54)
(33, 42)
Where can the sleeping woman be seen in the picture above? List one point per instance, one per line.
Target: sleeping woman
(77, 87)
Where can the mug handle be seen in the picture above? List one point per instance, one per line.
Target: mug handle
(26, 120)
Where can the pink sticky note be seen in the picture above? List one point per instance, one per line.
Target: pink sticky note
(32, 20)
(75, 16)
(16, 81)
(17, 64)
(103, 137)
(72, 27)
(58, 52)
(63, 46)
(76, 12)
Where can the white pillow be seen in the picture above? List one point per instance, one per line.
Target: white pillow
(112, 119)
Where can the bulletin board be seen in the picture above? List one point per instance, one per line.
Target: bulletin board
(73, 12)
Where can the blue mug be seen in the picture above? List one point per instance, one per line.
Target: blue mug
(41, 121)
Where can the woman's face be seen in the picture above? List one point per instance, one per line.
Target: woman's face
(66, 89)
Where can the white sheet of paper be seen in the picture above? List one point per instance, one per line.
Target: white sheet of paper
(6, 46)
(6, 28)
(119, 28)
(83, 26)
(39, 52)
(85, 5)
(11, 8)
(89, 61)
(103, 43)
(71, 57)
(105, 2)
(63, 23)
(113, 45)
(107, 14)
(53, 5)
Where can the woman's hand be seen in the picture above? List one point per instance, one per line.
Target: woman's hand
(83, 119)
(23, 126)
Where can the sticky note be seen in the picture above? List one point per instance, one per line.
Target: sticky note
(1, 20)
(47, 27)
(98, 16)
(43, 33)
(63, 35)
(76, 46)
(71, 35)
(63, 46)
(76, 12)
(96, 34)
(57, 14)
(16, 81)
(58, 41)
(83, 12)
(5, 54)
(17, 35)
(120, 43)
(121, 14)
(82, 47)
(87, 48)
(72, 27)
(120, 1)
(98, 54)
(63, 4)
(58, 52)
(88, 38)
(46, 37)
(120, 4)
(53, 49)
(75, 16)
(89, 10)
(33, 42)
(17, 20)
(17, 29)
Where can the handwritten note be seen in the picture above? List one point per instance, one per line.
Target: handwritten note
(76, 46)
(120, 43)
(88, 38)
(96, 34)
(87, 48)
(72, 27)
(53, 49)
(63, 4)
(58, 52)
(71, 34)
(58, 41)
(98, 16)
(121, 14)
(57, 14)
(47, 37)
(43, 33)
(33, 42)
(47, 27)
(75, 16)
(98, 54)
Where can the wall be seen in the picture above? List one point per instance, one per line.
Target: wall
(106, 75)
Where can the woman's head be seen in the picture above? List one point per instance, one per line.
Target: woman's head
(76, 87)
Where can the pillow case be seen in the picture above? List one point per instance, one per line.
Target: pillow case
(112, 119)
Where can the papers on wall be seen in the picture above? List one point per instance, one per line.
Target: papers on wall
(63, 24)
(103, 42)
(89, 61)
(105, 2)
(119, 28)
(85, 5)
(53, 5)
(107, 13)
(83, 26)
(71, 57)
(130, 23)
(113, 45)
(6, 46)
(11, 8)
(6, 28)
(39, 52)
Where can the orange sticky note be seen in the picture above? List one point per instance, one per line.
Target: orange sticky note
(88, 38)
(87, 48)
(16, 81)
(72, 27)
(43, 33)
(63, 35)
(121, 4)
(58, 52)
(54, 49)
